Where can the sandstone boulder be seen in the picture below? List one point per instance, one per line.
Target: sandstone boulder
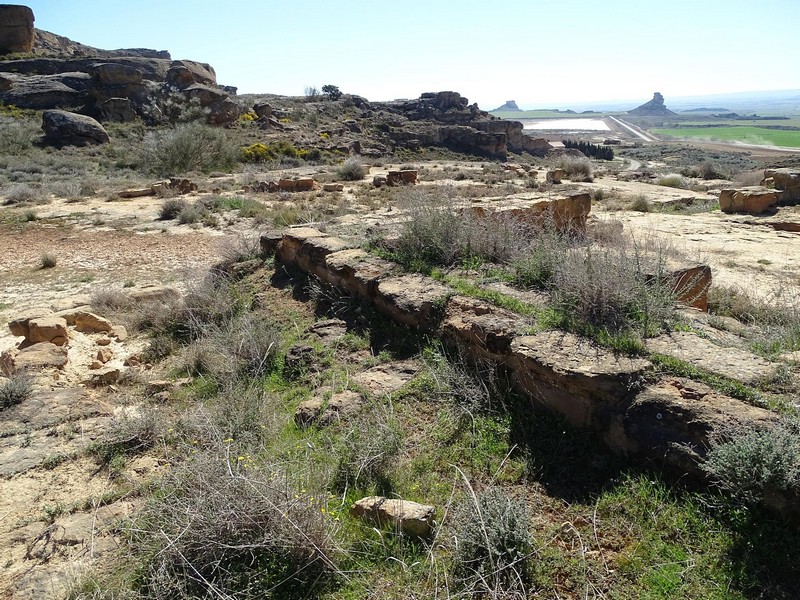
(263, 110)
(786, 181)
(407, 517)
(48, 329)
(184, 73)
(326, 411)
(305, 184)
(16, 29)
(414, 300)
(572, 376)
(404, 177)
(733, 363)
(91, 323)
(751, 200)
(116, 75)
(555, 176)
(19, 325)
(64, 128)
(220, 108)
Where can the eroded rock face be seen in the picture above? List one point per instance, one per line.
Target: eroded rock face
(575, 378)
(62, 128)
(675, 419)
(409, 517)
(751, 200)
(16, 29)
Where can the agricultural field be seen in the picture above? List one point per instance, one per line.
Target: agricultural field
(735, 133)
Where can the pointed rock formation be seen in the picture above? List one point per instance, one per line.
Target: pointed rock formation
(509, 105)
(653, 108)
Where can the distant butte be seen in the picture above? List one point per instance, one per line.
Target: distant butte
(653, 108)
(509, 105)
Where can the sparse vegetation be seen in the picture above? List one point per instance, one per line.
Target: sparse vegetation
(352, 169)
(47, 261)
(753, 464)
(16, 389)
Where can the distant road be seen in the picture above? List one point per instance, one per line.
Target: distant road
(634, 130)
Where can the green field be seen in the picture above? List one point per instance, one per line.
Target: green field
(746, 134)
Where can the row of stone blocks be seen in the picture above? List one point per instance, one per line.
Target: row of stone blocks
(640, 415)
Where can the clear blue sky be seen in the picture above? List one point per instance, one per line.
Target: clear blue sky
(540, 53)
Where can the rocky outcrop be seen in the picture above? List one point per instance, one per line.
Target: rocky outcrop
(16, 29)
(638, 413)
(98, 82)
(447, 119)
(566, 213)
(752, 200)
(786, 182)
(51, 44)
(62, 128)
(653, 108)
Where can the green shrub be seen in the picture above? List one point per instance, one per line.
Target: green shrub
(493, 545)
(171, 208)
(18, 388)
(23, 193)
(17, 135)
(369, 447)
(218, 528)
(672, 180)
(439, 232)
(751, 462)
(259, 152)
(188, 147)
(641, 203)
(352, 169)
(536, 262)
(48, 261)
(575, 168)
(191, 213)
(616, 287)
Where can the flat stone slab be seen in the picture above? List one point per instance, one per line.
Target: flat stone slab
(574, 377)
(413, 300)
(47, 409)
(733, 363)
(387, 378)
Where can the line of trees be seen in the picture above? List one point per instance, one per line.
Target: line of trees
(592, 150)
